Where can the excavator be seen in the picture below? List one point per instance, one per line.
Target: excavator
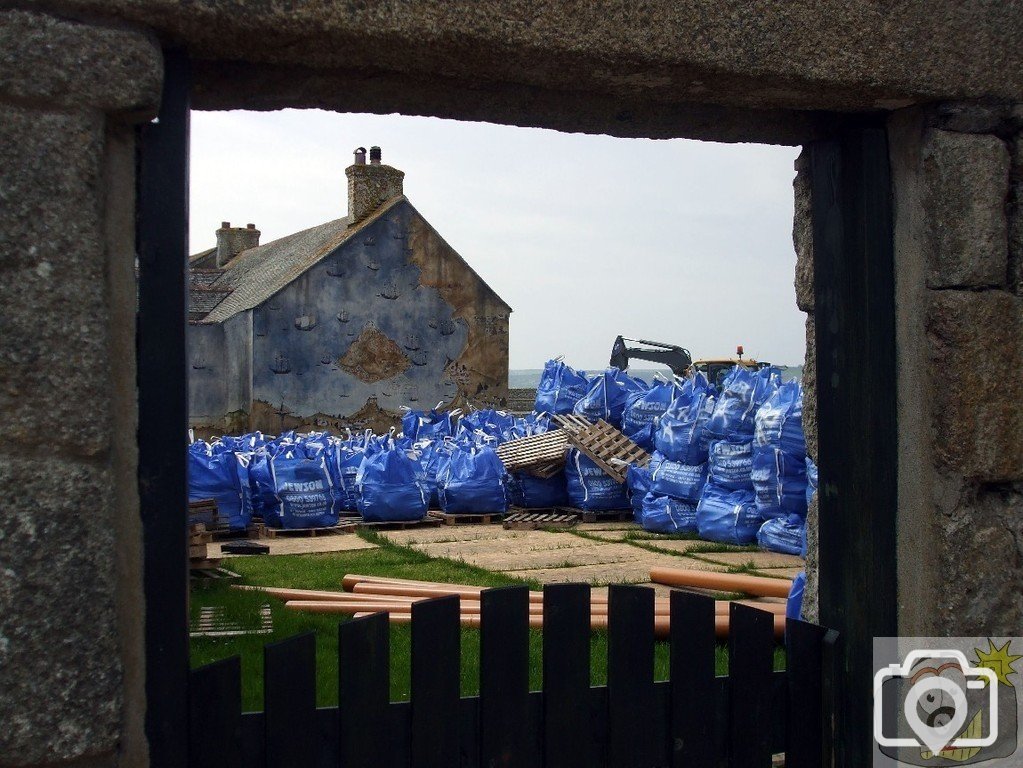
(678, 359)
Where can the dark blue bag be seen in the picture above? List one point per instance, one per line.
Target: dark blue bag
(782, 534)
(433, 457)
(531, 492)
(779, 481)
(637, 480)
(560, 388)
(589, 487)
(794, 604)
(643, 409)
(779, 421)
(681, 432)
(472, 481)
(731, 464)
(435, 425)
(663, 514)
(811, 480)
(679, 481)
(214, 472)
(304, 492)
(742, 394)
(391, 485)
(488, 423)
(727, 516)
(607, 397)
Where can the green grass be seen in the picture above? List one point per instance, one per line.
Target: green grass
(324, 572)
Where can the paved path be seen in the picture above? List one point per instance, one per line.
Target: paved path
(596, 553)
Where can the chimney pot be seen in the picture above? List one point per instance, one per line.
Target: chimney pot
(250, 226)
(225, 225)
(375, 156)
(360, 156)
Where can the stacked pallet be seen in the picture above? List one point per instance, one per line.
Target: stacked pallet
(609, 449)
(367, 595)
(541, 455)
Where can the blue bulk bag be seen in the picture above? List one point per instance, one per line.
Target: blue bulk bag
(216, 474)
(794, 604)
(589, 487)
(811, 480)
(472, 481)
(663, 514)
(731, 464)
(742, 394)
(643, 409)
(644, 437)
(348, 458)
(779, 481)
(727, 516)
(433, 457)
(304, 493)
(531, 492)
(681, 432)
(391, 485)
(637, 480)
(435, 425)
(782, 534)
(560, 388)
(486, 422)
(605, 399)
(679, 481)
(779, 421)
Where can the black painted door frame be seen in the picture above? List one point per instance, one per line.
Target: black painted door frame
(855, 321)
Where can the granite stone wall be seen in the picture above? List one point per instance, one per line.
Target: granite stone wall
(70, 592)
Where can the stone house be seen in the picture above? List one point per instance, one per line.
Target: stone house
(341, 324)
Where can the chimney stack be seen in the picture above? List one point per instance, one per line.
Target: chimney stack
(369, 186)
(233, 240)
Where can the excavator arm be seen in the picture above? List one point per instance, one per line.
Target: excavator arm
(675, 357)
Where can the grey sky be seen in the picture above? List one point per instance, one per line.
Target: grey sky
(585, 236)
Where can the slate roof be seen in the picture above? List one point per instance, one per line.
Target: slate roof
(256, 274)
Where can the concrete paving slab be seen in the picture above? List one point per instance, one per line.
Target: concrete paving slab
(618, 526)
(448, 533)
(760, 559)
(572, 551)
(681, 546)
(628, 572)
(304, 545)
(788, 573)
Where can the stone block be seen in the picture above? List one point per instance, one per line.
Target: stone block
(966, 182)
(810, 388)
(975, 355)
(981, 546)
(54, 362)
(60, 697)
(982, 116)
(811, 601)
(73, 65)
(802, 234)
(1015, 210)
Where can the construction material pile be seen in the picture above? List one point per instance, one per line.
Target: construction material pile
(367, 595)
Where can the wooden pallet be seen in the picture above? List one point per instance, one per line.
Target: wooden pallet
(426, 522)
(253, 531)
(267, 532)
(211, 622)
(211, 574)
(468, 518)
(529, 521)
(204, 511)
(606, 446)
(542, 455)
(609, 516)
(198, 541)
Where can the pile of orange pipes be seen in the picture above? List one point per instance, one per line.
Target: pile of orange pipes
(366, 595)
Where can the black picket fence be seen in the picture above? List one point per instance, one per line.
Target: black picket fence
(694, 719)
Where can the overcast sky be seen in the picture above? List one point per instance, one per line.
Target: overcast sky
(584, 236)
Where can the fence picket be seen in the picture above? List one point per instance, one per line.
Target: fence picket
(215, 715)
(630, 676)
(436, 680)
(804, 660)
(506, 736)
(289, 693)
(693, 724)
(364, 656)
(750, 667)
(566, 675)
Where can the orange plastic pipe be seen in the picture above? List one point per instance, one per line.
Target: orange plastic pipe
(726, 582)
